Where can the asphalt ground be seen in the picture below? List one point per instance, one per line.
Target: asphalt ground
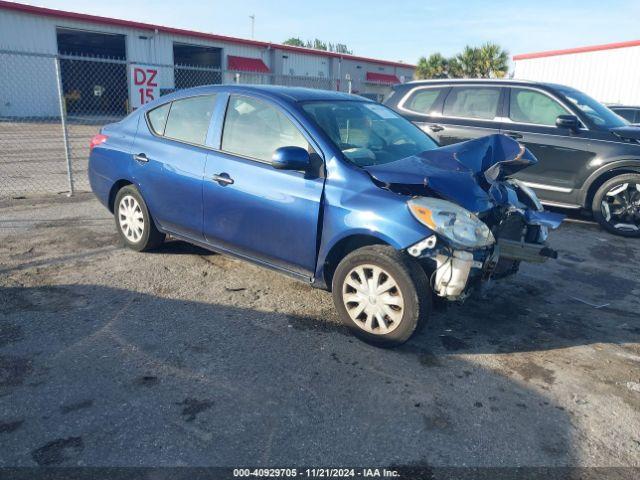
(183, 357)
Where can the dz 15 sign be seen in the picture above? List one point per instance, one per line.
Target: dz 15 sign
(144, 85)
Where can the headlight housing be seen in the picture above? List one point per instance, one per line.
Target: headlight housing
(452, 222)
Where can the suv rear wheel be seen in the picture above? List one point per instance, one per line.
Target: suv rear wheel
(616, 205)
(381, 295)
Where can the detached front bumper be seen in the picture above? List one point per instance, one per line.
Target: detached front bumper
(454, 273)
(450, 271)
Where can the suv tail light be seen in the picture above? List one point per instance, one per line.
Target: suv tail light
(97, 140)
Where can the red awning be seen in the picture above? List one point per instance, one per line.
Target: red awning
(382, 78)
(246, 64)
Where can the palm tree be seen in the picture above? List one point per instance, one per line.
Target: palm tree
(295, 41)
(469, 62)
(488, 61)
(493, 61)
(433, 67)
(454, 69)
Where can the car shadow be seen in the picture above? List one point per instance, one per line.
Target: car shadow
(587, 296)
(180, 247)
(92, 375)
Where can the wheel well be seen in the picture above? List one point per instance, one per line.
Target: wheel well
(114, 191)
(343, 248)
(598, 182)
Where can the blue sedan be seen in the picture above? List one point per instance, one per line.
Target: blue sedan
(332, 189)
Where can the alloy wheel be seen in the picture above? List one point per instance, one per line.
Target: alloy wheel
(131, 218)
(621, 207)
(373, 299)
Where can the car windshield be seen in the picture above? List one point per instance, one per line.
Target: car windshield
(368, 133)
(597, 112)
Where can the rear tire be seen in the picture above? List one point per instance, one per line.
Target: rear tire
(133, 221)
(381, 295)
(616, 205)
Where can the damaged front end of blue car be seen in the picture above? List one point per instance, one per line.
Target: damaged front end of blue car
(485, 222)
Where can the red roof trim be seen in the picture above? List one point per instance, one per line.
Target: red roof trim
(591, 48)
(50, 12)
(246, 64)
(382, 78)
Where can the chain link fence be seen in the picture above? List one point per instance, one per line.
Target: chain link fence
(51, 106)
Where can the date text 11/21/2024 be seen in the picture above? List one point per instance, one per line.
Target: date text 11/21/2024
(316, 472)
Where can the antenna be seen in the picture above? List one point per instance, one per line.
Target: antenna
(253, 24)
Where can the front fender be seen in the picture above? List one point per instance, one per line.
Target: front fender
(625, 163)
(354, 205)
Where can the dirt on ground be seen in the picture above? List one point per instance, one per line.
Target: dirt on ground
(178, 357)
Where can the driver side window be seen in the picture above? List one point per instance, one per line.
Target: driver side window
(255, 129)
(530, 106)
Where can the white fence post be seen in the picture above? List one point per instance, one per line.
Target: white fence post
(63, 122)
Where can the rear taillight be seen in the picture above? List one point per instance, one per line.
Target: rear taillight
(97, 140)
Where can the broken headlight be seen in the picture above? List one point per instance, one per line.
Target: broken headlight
(456, 224)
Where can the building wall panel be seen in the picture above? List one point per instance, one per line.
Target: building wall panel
(35, 92)
(610, 76)
(303, 65)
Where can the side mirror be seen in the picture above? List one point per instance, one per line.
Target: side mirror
(568, 121)
(291, 158)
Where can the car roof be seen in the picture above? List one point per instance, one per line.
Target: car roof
(481, 81)
(287, 94)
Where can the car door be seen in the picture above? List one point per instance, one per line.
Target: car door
(468, 112)
(561, 153)
(252, 209)
(170, 155)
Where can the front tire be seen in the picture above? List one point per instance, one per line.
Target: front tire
(133, 221)
(616, 205)
(381, 295)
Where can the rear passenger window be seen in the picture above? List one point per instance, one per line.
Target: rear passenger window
(158, 118)
(422, 101)
(530, 106)
(255, 129)
(189, 119)
(472, 102)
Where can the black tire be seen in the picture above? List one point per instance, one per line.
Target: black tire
(600, 215)
(412, 284)
(150, 236)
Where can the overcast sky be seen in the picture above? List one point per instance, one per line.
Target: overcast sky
(401, 30)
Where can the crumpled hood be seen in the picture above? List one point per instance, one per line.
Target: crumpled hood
(630, 132)
(467, 173)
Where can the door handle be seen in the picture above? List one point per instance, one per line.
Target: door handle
(436, 128)
(140, 157)
(514, 135)
(222, 179)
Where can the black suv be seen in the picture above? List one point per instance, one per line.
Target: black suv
(589, 157)
(630, 114)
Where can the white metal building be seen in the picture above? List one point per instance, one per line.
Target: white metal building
(609, 73)
(26, 91)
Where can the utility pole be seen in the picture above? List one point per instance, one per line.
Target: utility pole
(253, 24)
